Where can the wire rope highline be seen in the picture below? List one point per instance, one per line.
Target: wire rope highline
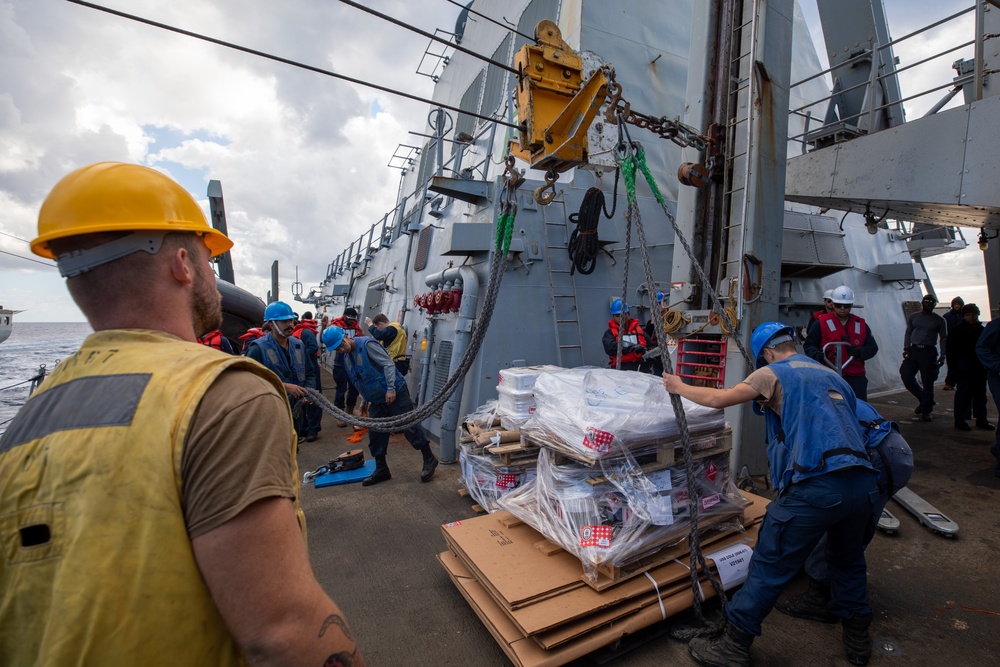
(431, 36)
(631, 158)
(505, 230)
(287, 61)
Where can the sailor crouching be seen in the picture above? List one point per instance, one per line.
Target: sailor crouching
(826, 486)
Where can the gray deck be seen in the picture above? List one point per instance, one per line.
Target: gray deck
(374, 551)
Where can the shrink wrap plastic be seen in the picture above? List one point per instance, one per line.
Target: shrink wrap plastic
(629, 516)
(486, 481)
(585, 412)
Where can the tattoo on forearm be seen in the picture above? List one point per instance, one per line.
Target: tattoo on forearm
(334, 619)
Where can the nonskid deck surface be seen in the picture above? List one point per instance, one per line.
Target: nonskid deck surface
(374, 550)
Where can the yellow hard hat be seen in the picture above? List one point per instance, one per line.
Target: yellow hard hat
(119, 197)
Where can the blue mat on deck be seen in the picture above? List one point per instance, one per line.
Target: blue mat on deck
(345, 477)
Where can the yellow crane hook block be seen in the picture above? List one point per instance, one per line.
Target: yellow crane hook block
(555, 108)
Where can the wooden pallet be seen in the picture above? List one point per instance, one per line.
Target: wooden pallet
(610, 575)
(477, 508)
(514, 453)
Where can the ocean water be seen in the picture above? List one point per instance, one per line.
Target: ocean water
(32, 344)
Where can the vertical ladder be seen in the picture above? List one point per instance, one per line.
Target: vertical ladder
(742, 96)
(703, 359)
(569, 337)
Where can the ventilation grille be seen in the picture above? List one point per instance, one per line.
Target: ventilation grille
(441, 367)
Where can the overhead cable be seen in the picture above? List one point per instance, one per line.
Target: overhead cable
(494, 21)
(30, 259)
(286, 61)
(15, 237)
(401, 24)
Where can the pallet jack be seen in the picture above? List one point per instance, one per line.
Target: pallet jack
(926, 513)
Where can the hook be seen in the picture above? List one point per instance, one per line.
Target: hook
(545, 194)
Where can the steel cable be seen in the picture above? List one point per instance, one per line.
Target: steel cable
(402, 422)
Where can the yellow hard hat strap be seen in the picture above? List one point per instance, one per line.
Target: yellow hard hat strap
(80, 261)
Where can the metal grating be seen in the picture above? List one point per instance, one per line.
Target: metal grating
(470, 102)
(496, 79)
(442, 364)
(533, 13)
(423, 249)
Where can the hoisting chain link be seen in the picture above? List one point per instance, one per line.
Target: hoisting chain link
(683, 135)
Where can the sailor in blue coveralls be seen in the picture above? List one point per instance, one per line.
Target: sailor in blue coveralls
(826, 486)
(893, 459)
(380, 383)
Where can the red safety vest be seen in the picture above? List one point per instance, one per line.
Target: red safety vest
(631, 328)
(305, 324)
(854, 333)
(212, 339)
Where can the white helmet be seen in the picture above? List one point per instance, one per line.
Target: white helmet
(827, 295)
(842, 295)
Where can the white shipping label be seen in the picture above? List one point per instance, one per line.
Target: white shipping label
(661, 480)
(732, 563)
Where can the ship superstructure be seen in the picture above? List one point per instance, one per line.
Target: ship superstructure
(746, 73)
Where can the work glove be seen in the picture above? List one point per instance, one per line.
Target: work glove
(854, 350)
(941, 360)
(639, 349)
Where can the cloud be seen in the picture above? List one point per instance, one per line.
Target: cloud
(301, 156)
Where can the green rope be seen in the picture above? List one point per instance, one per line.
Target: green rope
(640, 157)
(505, 230)
(628, 173)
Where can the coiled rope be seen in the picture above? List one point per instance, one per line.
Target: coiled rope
(583, 242)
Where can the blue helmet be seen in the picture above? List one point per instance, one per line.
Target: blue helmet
(278, 311)
(616, 307)
(333, 337)
(769, 334)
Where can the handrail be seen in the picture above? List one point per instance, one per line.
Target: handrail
(893, 42)
(807, 111)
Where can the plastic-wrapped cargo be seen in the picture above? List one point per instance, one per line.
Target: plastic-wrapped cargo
(517, 398)
(519, 378)
(585, 412)
(623, 515)
(487, 479)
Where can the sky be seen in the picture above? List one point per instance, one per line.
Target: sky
(302, 157)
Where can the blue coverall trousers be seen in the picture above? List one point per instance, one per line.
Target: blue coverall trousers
(840, 503)
(378, 441)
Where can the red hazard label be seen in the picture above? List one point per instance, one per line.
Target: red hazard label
(598, 440)
(453, 524)
(595, 536)
(506, 481)
(710, 501)
(711, 471)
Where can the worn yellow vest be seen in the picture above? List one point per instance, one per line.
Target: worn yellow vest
(97, 565)
(397, 348)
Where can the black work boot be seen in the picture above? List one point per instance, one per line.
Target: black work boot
(857, 641)
(730, 649)
(381, 473)
(430, 463)
(810, 605)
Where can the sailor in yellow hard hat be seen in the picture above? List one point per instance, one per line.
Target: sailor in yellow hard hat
(137, 482)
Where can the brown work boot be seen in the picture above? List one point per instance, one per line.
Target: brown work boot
(810, 605)
(730, 649)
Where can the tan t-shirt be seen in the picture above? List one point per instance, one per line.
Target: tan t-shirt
(238, 451)
(766, 384)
